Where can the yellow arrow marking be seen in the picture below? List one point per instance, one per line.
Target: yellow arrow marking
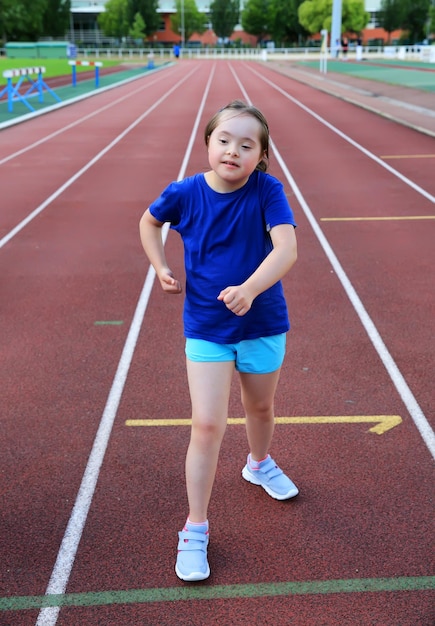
(383, 422)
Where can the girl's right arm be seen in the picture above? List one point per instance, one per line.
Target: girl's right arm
(151, 238)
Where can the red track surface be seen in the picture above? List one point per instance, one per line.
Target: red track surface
(365, 510)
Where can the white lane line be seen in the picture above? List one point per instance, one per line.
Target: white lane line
(356, 145)
(70, 542)
(394, 372)
(65, 103)
(82, 119)
(88, 165)
(396, 376)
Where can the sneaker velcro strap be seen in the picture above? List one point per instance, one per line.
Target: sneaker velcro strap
(271, 469)
(273, 472)
(190, 540)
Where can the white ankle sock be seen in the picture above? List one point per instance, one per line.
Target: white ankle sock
(203, 526)
(255, 465)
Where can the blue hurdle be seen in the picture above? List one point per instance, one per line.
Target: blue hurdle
(38, 85)
(96, 64)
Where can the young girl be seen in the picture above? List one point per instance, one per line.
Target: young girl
(239, 240)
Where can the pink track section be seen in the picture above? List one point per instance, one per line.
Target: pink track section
(366, 504)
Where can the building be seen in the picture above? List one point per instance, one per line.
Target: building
(84, 25)
(84, 30)
(83, 22)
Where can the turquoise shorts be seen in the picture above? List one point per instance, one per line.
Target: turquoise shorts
(251, 356)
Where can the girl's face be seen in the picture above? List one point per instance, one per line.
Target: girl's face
(234, 151)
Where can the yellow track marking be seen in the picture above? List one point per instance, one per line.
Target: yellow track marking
(383, 422)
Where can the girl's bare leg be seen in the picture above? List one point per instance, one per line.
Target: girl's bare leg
(209, 386)
(258, 391)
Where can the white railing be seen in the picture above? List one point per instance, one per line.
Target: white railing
(164, 54)
(411, 53)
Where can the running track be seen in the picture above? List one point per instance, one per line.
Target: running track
(92, 498)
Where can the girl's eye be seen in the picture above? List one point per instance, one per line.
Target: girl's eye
(246, 147)
(222, 141)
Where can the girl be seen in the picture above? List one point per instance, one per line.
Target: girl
(239, 240)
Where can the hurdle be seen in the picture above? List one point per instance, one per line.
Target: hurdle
(24, 73)
(96, 64)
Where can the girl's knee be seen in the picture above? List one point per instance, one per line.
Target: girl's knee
(207, 429)
(261, 408)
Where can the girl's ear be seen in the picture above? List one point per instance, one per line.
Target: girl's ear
(263, 163)
(263, 157)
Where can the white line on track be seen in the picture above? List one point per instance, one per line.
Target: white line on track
(70, 542)
(356, 145)
(66, 103)
(68, 549)
(395, 374)
(82, 119)
(88, 165)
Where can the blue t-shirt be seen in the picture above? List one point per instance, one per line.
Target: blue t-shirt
(226, 237)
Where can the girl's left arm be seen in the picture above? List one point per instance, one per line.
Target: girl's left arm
(278, 262)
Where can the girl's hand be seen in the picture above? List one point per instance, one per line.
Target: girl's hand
(168, 282)
(237, 299)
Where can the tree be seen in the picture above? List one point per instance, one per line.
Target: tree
(415, 17)
(354, 16)
(113, 21)
(391, 15)
(187, 15)
(256, 18)
(284, 21)
(148, 11)
(10, 14)
(315, 15)
(22, 20)
(432, 19)
(27, 20)
(56, 17)
(137, 31)
(224, 16)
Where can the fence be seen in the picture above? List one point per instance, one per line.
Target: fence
(411, 53)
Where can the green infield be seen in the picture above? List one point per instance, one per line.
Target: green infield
(409, 75)
(53, 67)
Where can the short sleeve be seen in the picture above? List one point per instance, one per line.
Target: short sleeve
(275, 205)
(167, 207)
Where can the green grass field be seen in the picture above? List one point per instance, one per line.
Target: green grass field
(53, 67)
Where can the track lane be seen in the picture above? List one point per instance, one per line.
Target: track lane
(101, 229)
(409, 152)
(163, 400)
(347, 345)
(67, 286)
(56, 161)
(24, 137)
(398, 199)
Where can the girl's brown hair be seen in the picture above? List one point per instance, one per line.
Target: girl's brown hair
(241, 108)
